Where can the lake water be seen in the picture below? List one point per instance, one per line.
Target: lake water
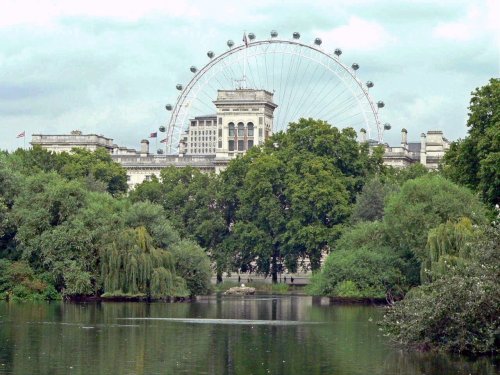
(245, 335)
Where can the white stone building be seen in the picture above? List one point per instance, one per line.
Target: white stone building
(244, 119)
(429, 151)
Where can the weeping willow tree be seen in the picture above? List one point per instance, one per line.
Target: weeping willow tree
(131, 265)
(448, 246)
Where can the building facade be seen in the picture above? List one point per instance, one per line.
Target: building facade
(429, 151)
(243, 119)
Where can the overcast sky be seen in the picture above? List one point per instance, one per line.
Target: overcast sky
(110, 66)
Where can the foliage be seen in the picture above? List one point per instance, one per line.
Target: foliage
(361, 266)
(473, 161)
(189, 200)
(132, 265)
(96, 168)
(401, 175)
(448, 245)
(19, 282)
(193, 265)
(458, 311)
(420, 205)
(370, 202)
(51, 235)
(287, 202)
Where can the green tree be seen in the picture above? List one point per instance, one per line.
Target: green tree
(421, 205)
(288, 200)
(370, 202)
(362, 265)
(448, 246)
(96, 165)
(96, 168)
(474, 161)
(131, 265)
(458, 311)
(193, 265)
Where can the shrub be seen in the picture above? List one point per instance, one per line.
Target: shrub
(362, 265)
(193, 265)
(457, 312)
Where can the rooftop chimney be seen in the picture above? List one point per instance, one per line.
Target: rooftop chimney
(144, 148)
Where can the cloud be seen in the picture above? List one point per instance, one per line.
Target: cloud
(46, 12)
(358, 34)
(480, 20)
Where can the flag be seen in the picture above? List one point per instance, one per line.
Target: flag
(153, 135)
(163, 140)
(21, 135)
(245, 39)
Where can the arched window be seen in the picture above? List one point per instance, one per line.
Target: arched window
(250, 129)
(241, 129)
(231, 129)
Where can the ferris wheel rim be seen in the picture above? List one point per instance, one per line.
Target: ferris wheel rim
(233, 50)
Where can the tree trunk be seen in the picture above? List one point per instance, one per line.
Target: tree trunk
(219, 277)
(274, 269)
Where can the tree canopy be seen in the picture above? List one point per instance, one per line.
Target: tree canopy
(475, 160)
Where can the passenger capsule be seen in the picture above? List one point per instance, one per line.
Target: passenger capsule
(193, 69)
(369, 84)
(230, 43)
(355, 66)
(296, 35)
(211, 54)
(162, 129)
(274, 33)
(168, 107)
(380, 104)
(317, 41)
(338, 52)
(159, 151)
(387, 126)
(251, 36)
(178, 87)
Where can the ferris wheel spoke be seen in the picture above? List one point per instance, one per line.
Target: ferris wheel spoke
(296, 86)
(340, 105)
(301, 89)
(321, 87)
(341, 109)
(310, 99)
(321, 95)
(285, 93)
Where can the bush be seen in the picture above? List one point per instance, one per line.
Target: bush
(18, 282)
(193, 265)
(458, 312)
(360, 265)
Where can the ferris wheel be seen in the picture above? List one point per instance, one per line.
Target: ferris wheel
(305, 79)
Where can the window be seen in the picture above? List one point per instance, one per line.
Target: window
(220, 120)
(250, 144)
(241, 129)
(231, 129)
(241, 146)
(220, 132)
(260, 132)
(250, 129)
(193, 123)
(128, 177)
(230, 145)
(220, 144)
(261, 120)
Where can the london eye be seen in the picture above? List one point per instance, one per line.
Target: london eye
(307, 80)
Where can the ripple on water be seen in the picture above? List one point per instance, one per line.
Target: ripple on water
(228, 321)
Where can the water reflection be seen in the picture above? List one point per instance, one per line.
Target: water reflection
(261, 335)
